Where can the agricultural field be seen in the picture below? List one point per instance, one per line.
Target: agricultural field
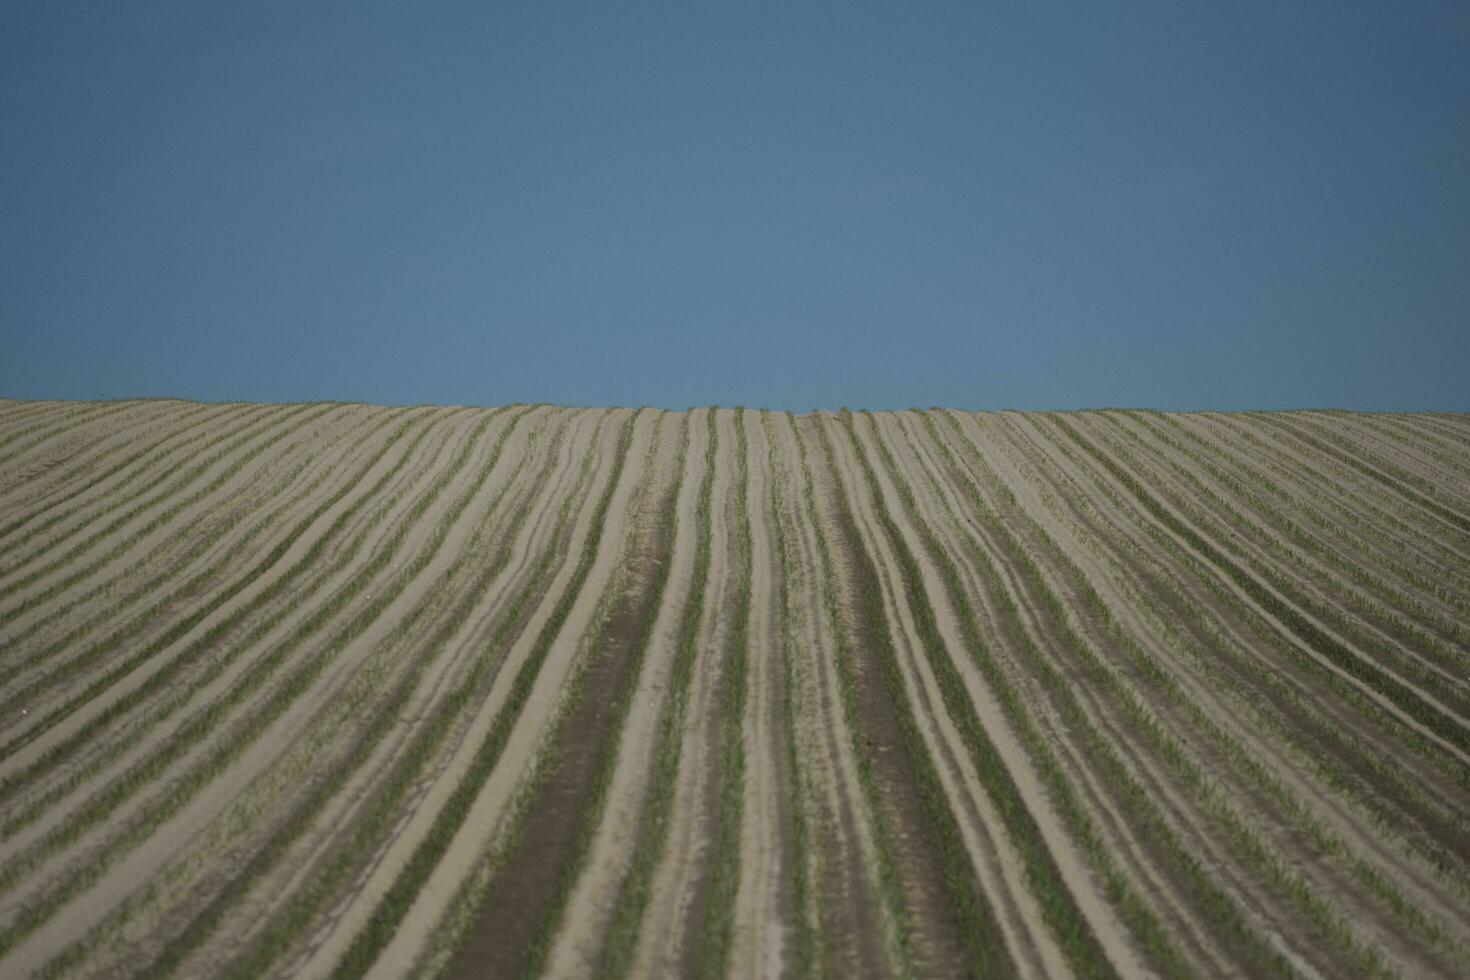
(333, 690)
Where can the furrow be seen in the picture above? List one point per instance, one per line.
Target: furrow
(1327, 744)
(1239, 890)
(855, 920)
(666, 810)
(1206, 763)
(16, 445)
(521, 915)
(1356, 554)
(1342, 490)
(591, 903)
(43, 796)
(673, 926)
(226, 469)
(236, 535)
(1298, 795)
(373, 688)
(1418, 498)
(1435, 571)
(448, 867)
(329, 690)
(982, 589)
(184, 427)
(953, 926)
(158, 468)
(1340, 433)
(1447, 735)
(766, 895)
(57, 473)
(1017, 801)
(426, 771)
(207, 626)
(1080, 779)
(1329, 601)
(1420, 453)
(89, 891)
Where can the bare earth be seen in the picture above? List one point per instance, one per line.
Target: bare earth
(338, 690)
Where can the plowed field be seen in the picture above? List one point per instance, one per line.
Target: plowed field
(335, 690)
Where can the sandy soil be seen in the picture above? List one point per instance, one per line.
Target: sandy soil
(252, 658)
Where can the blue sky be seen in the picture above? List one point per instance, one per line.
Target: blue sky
(793, 205)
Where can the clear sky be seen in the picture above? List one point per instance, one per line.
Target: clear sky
(794, 205)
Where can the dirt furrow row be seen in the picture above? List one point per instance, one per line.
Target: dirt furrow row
(1374, 563)
(205, 551)
(72, 465)
(1038, 704)
(371, 691)
(16, 445)
(1345, 492)
(1418, 452)
(1331, 602)
(765, 905)
(400, 796)
(1419, 500)
(1441, 739)
(146, 522)
(162, 472)
(135, 821)
(853, 916)
(1315, 831)
(251, 601)
(1386, 464)
(1289, 707)
(336, 691)
(151, 826)
(680, 846)
(439, 887)
(953, 926)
